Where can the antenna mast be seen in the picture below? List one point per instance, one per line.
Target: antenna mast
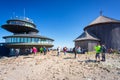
(101, 12)
(13, 15)
(24, 13)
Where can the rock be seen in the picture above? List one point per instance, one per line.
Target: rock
(118, 72)
(106, 69)
(118, 69)
(53, 76)
(13, 68)
(5, 73)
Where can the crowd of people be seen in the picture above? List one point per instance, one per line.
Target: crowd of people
(43, 50)
(99, 56)
(33, 50)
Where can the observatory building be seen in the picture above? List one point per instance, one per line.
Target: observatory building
(24, 36)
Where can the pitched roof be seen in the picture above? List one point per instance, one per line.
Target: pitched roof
(86, 36)
(103, 19)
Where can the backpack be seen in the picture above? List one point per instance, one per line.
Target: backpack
(103, 48)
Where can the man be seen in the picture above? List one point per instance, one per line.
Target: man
(74, 51)
(65, 50)
(58, 51)
(17, 52)
(103, 50)
(44, 50)
(98, 50)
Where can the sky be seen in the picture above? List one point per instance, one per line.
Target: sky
(61, 20)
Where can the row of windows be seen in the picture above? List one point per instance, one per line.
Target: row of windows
(27, 40)
(21, 23)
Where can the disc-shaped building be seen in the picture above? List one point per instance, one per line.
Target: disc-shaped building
(24, 35)
(104, 30)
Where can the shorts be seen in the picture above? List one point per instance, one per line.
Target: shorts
(78, 52)
(97, 55)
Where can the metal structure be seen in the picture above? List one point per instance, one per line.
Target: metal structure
(24, 35)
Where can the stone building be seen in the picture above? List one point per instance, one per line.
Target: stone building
(104, 30)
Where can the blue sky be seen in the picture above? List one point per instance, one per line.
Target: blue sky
(62, 20)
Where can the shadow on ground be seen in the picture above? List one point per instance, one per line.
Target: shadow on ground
(69, 58)
(88, 61)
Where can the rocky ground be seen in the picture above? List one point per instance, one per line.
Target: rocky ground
(63, 67)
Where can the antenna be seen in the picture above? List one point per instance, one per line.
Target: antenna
(101, 12)
(24, 13)
(13, 14)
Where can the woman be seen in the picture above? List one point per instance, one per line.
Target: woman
(34, 50)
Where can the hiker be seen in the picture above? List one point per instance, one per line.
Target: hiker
(41, 49)
(74, 51)
(44, 50)
(65, 50)
(103, 50)
(17, 52)
(78, 50)
(58, 51)
(98, 50)
(34, 50)
(110, 50)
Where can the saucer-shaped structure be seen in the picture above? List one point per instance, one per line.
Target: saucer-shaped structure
(24, 35)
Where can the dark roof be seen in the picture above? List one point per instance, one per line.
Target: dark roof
(28, 35)
(18, 28)
(102, 19)
(22, 21)
(86, 36)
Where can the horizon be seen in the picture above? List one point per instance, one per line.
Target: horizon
(61, 20)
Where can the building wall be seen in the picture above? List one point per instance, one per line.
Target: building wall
(108, 33)
(91, 45)
(4, 51)
(86, 44)
(82, 44)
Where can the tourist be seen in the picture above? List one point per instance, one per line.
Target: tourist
(110, 51)
(74, 51)
(48, 50)
(98, 50)
(103, 50)
(31, 51)
(34, 50)
(78, 50)
(65, 50)
(41, 49)
(44, 50)
(17, 52)
(58, 51)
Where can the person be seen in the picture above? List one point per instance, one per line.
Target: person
(74, 51)
(65, 50)
(44, 50)
(103, 50)
(110, 51)
(48, 51)
(98, 50)
(31, 50)
(58, 51)
(41, 49)
(34, 50)
(17, 52)
(78, 50)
